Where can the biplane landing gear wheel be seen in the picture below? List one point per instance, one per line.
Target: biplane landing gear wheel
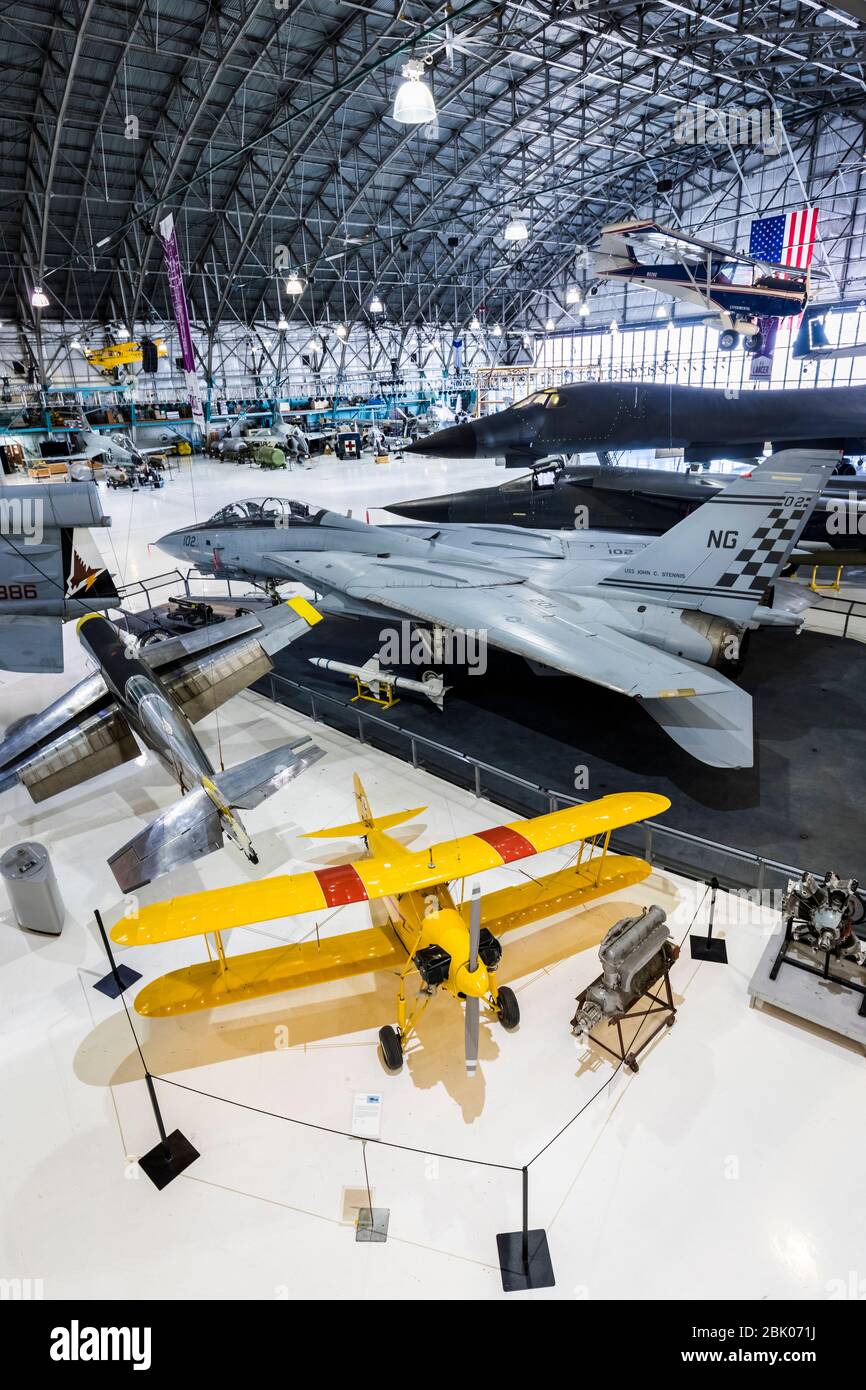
(508, 1008)
(392, 1052)
(728, 340)
(754, 343)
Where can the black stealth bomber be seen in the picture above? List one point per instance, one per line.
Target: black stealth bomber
(604, 417)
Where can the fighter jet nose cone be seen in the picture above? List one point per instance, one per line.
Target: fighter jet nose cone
(457, 442)
(422, 509)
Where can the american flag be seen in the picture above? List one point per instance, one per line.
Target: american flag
(788, 239)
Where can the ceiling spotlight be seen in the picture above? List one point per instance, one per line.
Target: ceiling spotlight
(516, 230)
(314, 345)
(497, 330)
(340, 330)
(614, 326)
(474, 325)
(39, 299)
(584, 309)
(414, 104)
(572, 295)
(376, 305)
(549, 326)
(283, 324)
(527, 340)
(75, 345)
(294, 285)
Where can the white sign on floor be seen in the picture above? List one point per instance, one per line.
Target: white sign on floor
(367, 1115)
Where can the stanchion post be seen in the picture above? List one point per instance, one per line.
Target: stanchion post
(524, 1255)
(708, 947)
(119, 977)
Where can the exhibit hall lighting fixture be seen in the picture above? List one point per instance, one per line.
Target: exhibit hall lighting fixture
(474, 325)
(376, 305)
(549, 326)
(614, 326)
(584, 309)
(516, 230)
(340, 330)
(497, 330)
(662, 311)
(75, 345)
(315, 344)
(39, 299)
(414, 104)
(572, 295)
(294, 285)
(283, 323)
(527, 341)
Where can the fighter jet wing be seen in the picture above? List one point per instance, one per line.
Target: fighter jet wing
(204, 669)
(706, 714)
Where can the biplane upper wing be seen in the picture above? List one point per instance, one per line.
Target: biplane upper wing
(286, 895)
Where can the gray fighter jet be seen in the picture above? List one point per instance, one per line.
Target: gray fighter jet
(153, 693)
(50, 570)
(602, 417)
(649, 617)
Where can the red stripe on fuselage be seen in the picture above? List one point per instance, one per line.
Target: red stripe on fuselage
(340, 885)
(506, 842)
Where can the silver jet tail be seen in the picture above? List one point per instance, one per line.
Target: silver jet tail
(724, 556)
(195, 825)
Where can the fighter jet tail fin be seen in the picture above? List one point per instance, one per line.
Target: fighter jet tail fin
(722, 558)
(196, 825)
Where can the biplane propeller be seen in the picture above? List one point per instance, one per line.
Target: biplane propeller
(449, 945)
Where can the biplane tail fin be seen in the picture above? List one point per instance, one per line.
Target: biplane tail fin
(367, 823)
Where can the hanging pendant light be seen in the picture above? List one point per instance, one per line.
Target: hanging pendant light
(414, 104)
(516, 230)
(614, 326)
(294, 285)
(283, 324)
(572, 295)
(474, 325)
(39, 299)
(584, 309)
(376, 306)
(497, 330)
(340, 330)
(549, 326)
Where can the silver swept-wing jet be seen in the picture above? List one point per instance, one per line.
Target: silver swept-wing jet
(662, 619)
(154, 694)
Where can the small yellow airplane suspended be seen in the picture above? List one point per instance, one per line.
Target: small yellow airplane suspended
(449, 945)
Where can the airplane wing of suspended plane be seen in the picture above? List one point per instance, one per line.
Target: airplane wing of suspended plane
(449, 944)
(735, 288)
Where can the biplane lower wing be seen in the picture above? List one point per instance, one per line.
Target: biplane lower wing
(213, 983)
(285, 895)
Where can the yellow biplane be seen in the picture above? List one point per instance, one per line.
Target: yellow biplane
(449, 945)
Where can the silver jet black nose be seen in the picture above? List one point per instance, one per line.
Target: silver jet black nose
(457, 442)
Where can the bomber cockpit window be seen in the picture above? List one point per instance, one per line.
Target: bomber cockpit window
(546, 398)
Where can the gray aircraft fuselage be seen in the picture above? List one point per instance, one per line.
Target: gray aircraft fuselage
(154, 716)
(593, 417)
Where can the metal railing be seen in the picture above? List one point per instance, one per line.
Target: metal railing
(145, 588)
(661, 845)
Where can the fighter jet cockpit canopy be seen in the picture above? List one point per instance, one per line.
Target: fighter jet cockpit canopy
(263, 511)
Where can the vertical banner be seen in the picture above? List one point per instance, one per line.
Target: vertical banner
(168, 237)
(761, 365)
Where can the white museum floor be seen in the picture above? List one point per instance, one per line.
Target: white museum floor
(721, 1170)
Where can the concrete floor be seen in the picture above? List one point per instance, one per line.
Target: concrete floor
(695, 1178)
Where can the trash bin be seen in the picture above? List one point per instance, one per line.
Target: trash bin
(33, 889)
